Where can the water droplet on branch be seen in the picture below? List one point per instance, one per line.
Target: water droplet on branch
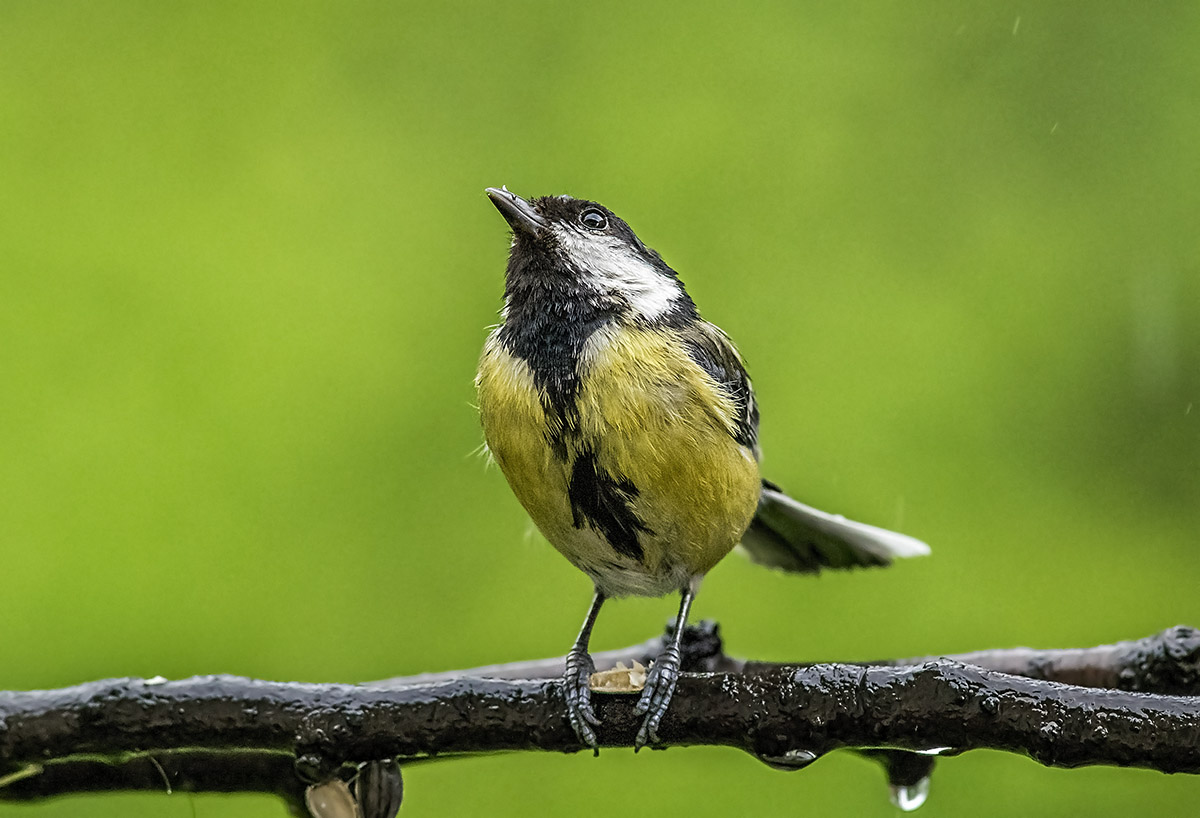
(789, 760)
(909, 797)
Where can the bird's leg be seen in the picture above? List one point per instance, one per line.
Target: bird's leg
(664, 673)
(578, 687)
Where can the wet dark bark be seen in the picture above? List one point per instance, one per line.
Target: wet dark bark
(1129, 704)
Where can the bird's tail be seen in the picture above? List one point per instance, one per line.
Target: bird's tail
(791, 536)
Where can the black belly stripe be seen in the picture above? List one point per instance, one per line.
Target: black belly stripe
(602, 501)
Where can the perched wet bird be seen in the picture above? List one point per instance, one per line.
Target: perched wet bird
(628, 429)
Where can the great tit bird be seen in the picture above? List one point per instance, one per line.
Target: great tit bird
(628, 429)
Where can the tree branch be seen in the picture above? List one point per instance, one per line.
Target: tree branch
(1128, 704)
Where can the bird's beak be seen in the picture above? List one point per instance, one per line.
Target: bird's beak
(520, 214)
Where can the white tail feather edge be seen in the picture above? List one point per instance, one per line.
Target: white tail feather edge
(879, 541)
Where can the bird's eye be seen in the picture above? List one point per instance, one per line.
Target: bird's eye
(593, 219)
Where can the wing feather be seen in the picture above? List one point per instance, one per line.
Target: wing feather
(712, 350)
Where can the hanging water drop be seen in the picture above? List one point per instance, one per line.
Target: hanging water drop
(909, 797)
(789, 760)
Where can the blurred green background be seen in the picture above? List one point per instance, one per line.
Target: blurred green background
(246, 264)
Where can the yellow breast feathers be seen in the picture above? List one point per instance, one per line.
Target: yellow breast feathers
(638, 479)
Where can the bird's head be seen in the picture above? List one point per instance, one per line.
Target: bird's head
(583, 247)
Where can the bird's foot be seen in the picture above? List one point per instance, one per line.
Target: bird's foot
(656, 696)
(579, 696)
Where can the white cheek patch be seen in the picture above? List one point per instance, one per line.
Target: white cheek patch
(612, 267)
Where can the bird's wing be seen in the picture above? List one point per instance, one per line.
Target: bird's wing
(791, 536)
(712, 350)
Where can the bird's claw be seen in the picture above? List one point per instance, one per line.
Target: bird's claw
(656, 696)
(579, 697)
